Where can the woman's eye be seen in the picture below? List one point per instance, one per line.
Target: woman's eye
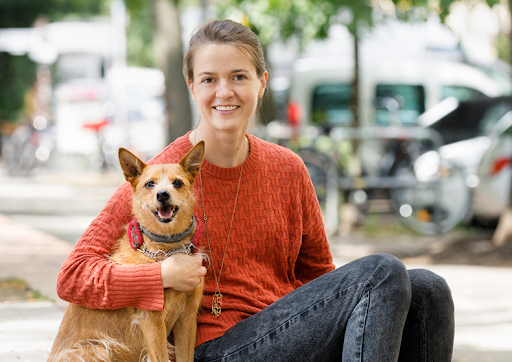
(240, 77)
(177, 183)
(207, 80)
(149, 184)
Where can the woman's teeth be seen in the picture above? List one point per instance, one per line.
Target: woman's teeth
(226, 108)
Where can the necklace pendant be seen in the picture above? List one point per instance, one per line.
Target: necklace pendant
(216, 304)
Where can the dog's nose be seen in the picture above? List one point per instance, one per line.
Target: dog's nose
(163, 195)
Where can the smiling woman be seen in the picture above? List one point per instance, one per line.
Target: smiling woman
(271, 292)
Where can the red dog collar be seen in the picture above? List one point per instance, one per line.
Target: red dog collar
(136, 240)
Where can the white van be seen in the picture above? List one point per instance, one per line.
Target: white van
(392, 92)
(320, 91)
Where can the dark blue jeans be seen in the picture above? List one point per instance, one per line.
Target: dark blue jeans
(371, 309)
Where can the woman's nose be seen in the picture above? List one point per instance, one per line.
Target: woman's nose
(224, 89)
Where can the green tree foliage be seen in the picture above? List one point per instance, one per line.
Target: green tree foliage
(23, 13)
(139, 34)
(17, 74)
(310, 19)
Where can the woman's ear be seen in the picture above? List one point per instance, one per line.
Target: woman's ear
(191, 87)
(263, 79)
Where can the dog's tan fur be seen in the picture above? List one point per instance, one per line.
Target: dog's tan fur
(131, 334)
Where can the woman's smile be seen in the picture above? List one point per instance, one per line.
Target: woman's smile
(226, 108)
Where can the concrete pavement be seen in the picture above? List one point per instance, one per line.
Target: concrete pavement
(482, 295)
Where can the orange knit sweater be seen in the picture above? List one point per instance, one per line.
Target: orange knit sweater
(277, 241)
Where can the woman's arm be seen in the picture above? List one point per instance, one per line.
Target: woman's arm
(315, 258)
(88, 279)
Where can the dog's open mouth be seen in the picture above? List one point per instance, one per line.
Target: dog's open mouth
(166, 213)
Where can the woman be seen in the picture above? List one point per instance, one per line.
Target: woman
(271, 291)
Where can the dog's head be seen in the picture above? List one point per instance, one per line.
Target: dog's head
(163, 197)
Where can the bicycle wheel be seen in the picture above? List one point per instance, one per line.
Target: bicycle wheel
(324, 176)
(434, 205)
(19, 153)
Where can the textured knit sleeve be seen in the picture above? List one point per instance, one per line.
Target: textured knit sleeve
(87, 278)
(315, 258)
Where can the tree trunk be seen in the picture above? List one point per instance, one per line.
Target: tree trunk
(169, 58)
(355, 83)
(354, 167)
(504, 228)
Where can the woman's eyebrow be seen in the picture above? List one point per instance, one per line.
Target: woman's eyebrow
(241, 70)
(205, 73)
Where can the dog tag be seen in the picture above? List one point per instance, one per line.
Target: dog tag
(216, 304)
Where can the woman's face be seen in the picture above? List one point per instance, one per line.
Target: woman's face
(226, 86)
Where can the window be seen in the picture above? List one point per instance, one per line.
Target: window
(399, 104)
(331, 104)
(472, 118)
(461, 93)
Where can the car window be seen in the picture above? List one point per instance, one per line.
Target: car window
(399, 103)
(461, 93)
(471, 118)
(331, 104)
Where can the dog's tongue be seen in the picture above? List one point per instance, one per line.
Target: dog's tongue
(165, 212)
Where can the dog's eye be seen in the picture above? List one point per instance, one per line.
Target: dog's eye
(177, 183)
(149, 184)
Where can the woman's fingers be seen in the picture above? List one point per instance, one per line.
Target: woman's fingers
(182, 272)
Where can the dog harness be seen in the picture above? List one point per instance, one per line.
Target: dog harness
(136, 240)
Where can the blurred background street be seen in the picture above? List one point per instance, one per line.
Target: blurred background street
(400, 109)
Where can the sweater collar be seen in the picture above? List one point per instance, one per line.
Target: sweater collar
(232, 173)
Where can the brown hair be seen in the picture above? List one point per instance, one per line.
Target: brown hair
(225, 32)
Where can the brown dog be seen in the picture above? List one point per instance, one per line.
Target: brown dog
(163, 205)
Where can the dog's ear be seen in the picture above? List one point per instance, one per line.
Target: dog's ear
(131, 165)
(191, 162)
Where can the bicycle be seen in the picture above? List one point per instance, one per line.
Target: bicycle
(428, 193)
(28, 147)
(438, 199)
(105, 157)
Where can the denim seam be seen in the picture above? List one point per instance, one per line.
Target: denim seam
(423, 342)
(364, 326)
(287, 321)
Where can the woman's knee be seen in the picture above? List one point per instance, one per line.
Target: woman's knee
(376, 269)
(391, 274)
(431, 291)
(392, 267)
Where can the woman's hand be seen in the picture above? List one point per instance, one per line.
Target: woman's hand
(182, 272)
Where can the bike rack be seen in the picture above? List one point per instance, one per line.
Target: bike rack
(382, 133)
(281, 132)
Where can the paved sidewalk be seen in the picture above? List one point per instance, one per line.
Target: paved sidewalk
(31, 255)
(27, 329)
(482, 295)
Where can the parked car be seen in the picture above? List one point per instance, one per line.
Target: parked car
(477, 140)
(492, 194)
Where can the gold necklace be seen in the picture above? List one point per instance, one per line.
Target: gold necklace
(217, 295)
